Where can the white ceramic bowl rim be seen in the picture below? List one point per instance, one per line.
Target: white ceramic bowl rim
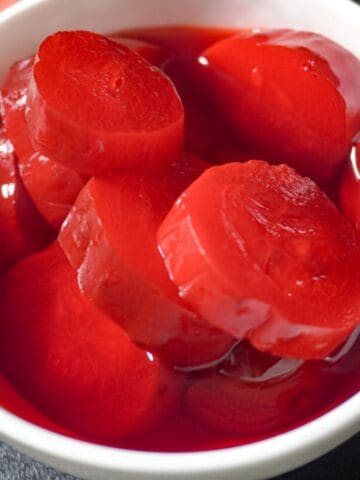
(273, 450)
(303, 443)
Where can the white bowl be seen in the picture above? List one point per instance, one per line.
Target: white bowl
(21, 28)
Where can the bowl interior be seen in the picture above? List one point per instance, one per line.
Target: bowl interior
(22, 27)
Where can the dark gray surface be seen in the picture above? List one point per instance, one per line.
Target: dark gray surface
(15, 466)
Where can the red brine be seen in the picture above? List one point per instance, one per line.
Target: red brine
(204, 291)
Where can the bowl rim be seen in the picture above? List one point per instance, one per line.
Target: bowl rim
(306, 442)
(338, 425)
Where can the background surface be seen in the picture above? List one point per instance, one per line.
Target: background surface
(341, 464)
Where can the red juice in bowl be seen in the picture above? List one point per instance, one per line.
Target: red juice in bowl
(245, 395)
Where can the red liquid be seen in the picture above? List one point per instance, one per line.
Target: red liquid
(297, 397)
